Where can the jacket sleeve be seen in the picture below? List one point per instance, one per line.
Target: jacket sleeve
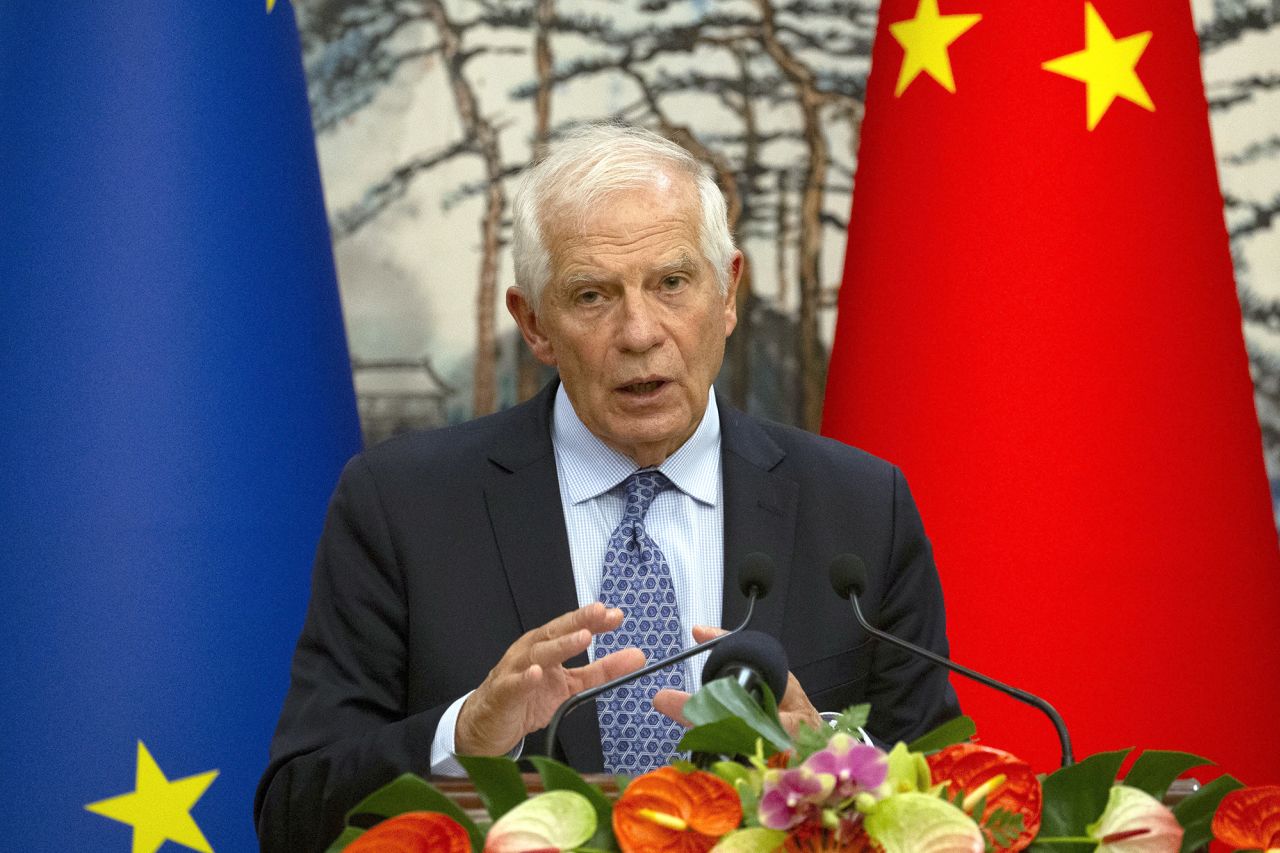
(909, 695)
(344, 730)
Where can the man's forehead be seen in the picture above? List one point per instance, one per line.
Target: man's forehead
(633, 228)
(572, 212)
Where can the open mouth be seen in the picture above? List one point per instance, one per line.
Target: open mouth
(643, 387)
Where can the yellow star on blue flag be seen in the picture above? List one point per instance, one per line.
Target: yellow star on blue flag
(159, 810)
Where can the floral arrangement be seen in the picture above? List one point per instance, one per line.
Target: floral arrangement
(824, 790)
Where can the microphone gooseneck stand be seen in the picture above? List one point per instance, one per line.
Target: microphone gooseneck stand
(849, 579)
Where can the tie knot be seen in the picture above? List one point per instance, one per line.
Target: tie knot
(642, 487)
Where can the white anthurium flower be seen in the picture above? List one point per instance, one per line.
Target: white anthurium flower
(919, 823)
(554, 820)
(1135, 822)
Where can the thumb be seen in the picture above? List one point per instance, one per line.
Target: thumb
(670, 703)
(702, 633)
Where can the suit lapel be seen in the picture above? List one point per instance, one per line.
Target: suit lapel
(523, 498)
(759, 515)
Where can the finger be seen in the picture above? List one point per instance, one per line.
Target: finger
(594, 617)
(670, 703)
(607, 668)
(702, 633)
(555, 651)
(507, 689)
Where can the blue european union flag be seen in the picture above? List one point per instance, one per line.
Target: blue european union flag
(177, 405)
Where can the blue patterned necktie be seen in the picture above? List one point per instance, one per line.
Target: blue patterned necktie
(637, 579)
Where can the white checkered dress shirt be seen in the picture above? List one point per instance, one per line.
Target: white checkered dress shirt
(686, 521)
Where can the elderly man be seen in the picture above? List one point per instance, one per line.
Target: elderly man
(471, 579)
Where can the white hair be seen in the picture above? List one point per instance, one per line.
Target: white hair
(587, 166)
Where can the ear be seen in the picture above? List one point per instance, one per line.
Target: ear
(731, 295)
(530, 329)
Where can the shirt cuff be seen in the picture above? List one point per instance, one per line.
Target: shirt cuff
(444, 761)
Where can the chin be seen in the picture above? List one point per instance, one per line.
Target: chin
(666, 440)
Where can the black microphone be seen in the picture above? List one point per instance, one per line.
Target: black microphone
(849, 579)
(755, 578)
(752, 659)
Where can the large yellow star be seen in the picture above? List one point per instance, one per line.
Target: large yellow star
(925, 38)
(157, 809)
(1106, 66)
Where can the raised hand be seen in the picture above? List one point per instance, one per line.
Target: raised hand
(523, 690)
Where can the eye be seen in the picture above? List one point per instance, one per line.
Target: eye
(673, 283)
(588, 297)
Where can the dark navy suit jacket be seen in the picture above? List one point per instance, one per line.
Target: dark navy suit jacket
(443, 547)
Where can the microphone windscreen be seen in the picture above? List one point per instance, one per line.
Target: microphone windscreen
(756, 572)
(848, 575)
(753, 650)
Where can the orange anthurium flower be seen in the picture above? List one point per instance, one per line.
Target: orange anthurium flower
(414, 832)
(1006, 781)
(779, 760)
(1249, 819)
(666, 811)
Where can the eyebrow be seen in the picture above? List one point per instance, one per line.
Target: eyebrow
(682, 263)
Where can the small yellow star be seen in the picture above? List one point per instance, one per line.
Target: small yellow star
(925, 39)
(271, 4)
(1106, 66)
(157, 809)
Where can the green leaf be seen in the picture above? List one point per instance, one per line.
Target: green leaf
(410, 793)
(351, 833)
(1156, 769)
(1195, 813)
(749, 794)
(767, 701)
(957, 730)
(730, 736)
(560, 777)
(1075, 796)
(853, 718)
(497, 781)
(1004, 826)
(725, 698)
(755, 840)
(731, 771)
(809, 740)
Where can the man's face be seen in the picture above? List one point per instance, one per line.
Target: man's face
(633, 318)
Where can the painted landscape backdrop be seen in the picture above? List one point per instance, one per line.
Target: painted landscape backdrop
(426, 110)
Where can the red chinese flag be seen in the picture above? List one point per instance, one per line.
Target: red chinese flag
(1038, 323)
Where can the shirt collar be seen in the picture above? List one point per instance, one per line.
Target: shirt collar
(590, 467)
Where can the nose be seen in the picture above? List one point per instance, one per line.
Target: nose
(641, 327)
